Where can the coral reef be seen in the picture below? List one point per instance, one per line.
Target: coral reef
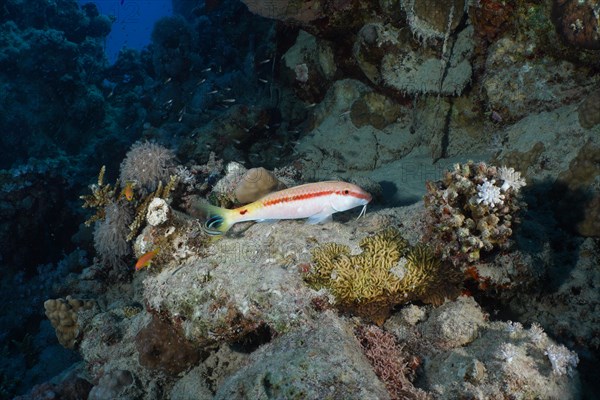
(284, 369)
(161, 347)
(589, 110)
(581, 180)
(471, 211)
(62, 313)
(388, 93)
(172, 40)
(374, 109)
(471, 356)
(514, 89)
(310, 67)
(112, 385)
(578, 22)
(386, 273)
(385, 55)
(491, 18)
(70, 386)
(431, 19)
(389, 362)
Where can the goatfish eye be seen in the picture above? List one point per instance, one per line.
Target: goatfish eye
(346, 191)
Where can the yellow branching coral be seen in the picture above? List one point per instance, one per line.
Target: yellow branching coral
(142, 208)
(387, 272)
(102, 194)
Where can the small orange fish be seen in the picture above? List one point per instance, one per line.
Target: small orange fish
(146, 259)
(128, 191)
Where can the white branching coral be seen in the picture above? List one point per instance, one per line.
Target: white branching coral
(511, 179)
(508, 352)
(489, 194)
(536, 333)
(562, 359)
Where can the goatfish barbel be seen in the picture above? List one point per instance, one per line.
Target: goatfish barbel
(315, 201)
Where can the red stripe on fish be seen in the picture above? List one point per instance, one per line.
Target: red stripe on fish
(303, 196)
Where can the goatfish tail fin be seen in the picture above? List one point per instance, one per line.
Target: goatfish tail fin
(218, 220)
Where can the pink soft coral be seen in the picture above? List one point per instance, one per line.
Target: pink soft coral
(389, 362)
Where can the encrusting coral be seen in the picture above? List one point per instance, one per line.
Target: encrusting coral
(161, 347)
(472, 209)
(386, 273)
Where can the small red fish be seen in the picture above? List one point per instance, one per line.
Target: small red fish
(128, 191)
(146, 259)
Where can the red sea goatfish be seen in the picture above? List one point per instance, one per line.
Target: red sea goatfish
(315, 201)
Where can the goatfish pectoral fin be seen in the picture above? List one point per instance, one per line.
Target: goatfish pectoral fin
(218, 220)
(320, 218)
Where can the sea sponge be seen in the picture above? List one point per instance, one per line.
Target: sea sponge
(386, 273)
(147, 164)
(62, 314)
(256, 183)
(472, 210)
(161, 347)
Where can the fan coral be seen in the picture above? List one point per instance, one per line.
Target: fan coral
(110, 234)
(147, 164)
(386, 273)
(467, 212)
